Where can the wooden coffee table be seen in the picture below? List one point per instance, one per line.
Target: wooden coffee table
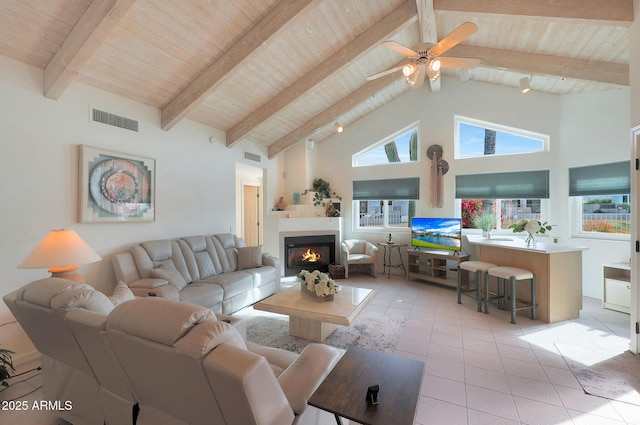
(344, 391)
(315, 320)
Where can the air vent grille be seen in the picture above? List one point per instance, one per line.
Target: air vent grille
(252, 157)
(114, 120)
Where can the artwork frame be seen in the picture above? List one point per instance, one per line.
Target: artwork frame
(115, 187)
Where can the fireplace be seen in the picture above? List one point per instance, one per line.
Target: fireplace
(311, 252)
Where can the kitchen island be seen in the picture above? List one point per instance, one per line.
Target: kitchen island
(558, 270)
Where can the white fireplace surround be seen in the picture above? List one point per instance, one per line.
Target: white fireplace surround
(309, 226)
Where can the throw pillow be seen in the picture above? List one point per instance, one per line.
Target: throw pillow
(170, 274)
(249, 257)
(121, 293)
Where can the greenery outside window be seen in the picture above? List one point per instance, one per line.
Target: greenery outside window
(477, 139)
(400, 147)
(507, 211)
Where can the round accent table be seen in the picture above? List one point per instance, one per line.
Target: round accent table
(388, 263)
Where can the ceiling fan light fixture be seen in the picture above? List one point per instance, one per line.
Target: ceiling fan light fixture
(524, 85)
(339, 127)
(408, 69)
(435, 64)
(410, 81)
(434, 76)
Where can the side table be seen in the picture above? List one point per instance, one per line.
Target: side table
(386, 257)
(344, 390)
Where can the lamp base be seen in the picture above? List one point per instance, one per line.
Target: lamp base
(68, 273)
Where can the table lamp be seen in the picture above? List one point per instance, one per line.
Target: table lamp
(61, 251)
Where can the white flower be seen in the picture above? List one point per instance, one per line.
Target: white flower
(532, 226)
(319, 283)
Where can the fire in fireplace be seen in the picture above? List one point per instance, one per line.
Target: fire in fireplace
(309, 253)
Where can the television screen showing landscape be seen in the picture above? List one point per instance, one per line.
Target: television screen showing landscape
(436, 233)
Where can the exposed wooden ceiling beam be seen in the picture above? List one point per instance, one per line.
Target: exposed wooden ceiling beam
(619, 12)
(532, 63)
(329, 115)
(203, 84)
(82, 42)
(402, 16)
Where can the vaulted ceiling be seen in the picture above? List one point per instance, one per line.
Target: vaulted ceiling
(279, 72)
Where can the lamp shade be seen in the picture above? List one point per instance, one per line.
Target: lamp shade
(60, 251)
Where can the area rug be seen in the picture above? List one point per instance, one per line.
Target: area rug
(611, 375)
(369, 330)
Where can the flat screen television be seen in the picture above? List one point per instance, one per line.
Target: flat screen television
(436, 233)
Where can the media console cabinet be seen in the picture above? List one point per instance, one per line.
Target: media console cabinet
(435, 266)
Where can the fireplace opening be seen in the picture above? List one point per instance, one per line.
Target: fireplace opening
(309, 253)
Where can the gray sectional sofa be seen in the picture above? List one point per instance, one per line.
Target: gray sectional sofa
(218, 272)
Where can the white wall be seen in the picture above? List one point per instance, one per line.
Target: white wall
(584, 129)
(39, 169)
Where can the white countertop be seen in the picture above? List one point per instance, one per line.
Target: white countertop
(518, 243)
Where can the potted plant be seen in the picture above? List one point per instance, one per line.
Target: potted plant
(322, 191)
(486, 220)
(6, 366)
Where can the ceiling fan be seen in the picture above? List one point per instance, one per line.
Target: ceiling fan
(428, 62)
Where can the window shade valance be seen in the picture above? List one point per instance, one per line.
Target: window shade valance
(601, 179)
(405, 188)
(510, 185)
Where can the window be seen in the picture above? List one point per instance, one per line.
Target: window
(475, 138)
(399, 147)
(508, 211)
(385, 215)
(512, 196)
(386, 204)
(601, 199)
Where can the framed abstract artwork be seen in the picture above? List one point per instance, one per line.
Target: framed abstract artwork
(115, 187)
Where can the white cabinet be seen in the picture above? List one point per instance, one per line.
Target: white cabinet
(617, 287)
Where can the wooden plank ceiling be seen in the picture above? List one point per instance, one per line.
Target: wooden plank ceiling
(279, 72)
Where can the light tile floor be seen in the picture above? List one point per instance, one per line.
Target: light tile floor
(479, 369)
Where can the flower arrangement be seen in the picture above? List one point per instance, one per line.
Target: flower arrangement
(532, 227)
(317, 282)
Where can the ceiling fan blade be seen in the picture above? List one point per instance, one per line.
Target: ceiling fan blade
(462, 63)
(383, 73)
(419, 78)
(455, 37)
(399, 48)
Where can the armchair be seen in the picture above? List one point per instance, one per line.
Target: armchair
(359, 252)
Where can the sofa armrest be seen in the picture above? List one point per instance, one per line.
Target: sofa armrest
(148, 283)
(306, 373)
(270, 260)
(371, 249)
(239, 324)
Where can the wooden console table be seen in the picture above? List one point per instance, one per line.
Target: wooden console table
(433, 266)
(558, 270)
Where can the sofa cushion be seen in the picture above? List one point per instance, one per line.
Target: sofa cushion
(205, 294)
(262, 275)
(171, 275)
(249, 257)
(121, 293)
(233, 283)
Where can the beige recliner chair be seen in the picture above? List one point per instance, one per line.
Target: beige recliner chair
(186, 367)
(359, 252)
(67, 375)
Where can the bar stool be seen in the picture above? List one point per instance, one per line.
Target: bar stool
(512, 275)
(480, 268)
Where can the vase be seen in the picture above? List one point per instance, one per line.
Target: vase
(531, 240)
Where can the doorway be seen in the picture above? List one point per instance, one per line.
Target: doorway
(249, 183)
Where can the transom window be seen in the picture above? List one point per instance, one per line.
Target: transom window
(475, 139)
(400, 147)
